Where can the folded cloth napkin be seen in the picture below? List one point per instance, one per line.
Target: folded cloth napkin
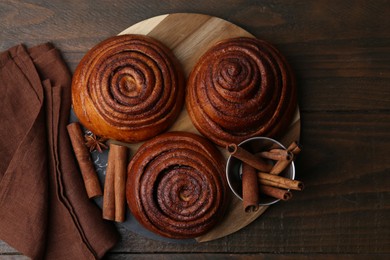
(44, 209)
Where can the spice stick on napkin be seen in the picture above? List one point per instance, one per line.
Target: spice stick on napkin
(45, 211)
(91, 180)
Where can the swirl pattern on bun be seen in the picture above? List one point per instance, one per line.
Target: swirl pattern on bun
(129, 88)
(176, 186)
(240, 88)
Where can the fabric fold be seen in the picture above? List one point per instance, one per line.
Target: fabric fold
(44, 209)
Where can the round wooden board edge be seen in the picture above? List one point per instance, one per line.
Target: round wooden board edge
(229, 224)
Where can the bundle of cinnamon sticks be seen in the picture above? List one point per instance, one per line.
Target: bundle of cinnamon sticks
(114, 202)
(260, 174)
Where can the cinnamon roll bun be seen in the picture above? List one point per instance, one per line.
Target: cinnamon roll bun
(176, 185)
(129, 88)
(240, 88)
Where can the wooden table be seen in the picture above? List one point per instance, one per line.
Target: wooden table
(340, 51)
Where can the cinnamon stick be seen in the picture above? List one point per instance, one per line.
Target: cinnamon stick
(275, 192)
(278, 181)
(276, 154)
(114, 186)
(90, 178)
(109, 188)
(120, 181)
(249, 158)
(280, 166)
(250, 188)
(295, 148)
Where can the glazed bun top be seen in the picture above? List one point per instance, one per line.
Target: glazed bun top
(128, 88)
(240, 88)
(176, 185)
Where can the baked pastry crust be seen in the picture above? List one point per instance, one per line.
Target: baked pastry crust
(176, 186)
(240, 88)
(128, 88)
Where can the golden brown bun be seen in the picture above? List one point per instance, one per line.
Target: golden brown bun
(240, 88)
(128, 88)
(176, 186)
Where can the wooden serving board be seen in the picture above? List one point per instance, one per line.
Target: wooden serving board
(189, 36)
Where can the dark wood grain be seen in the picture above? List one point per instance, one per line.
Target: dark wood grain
(340, 51)
(244, 256)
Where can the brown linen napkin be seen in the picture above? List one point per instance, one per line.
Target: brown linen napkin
(44, 209)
